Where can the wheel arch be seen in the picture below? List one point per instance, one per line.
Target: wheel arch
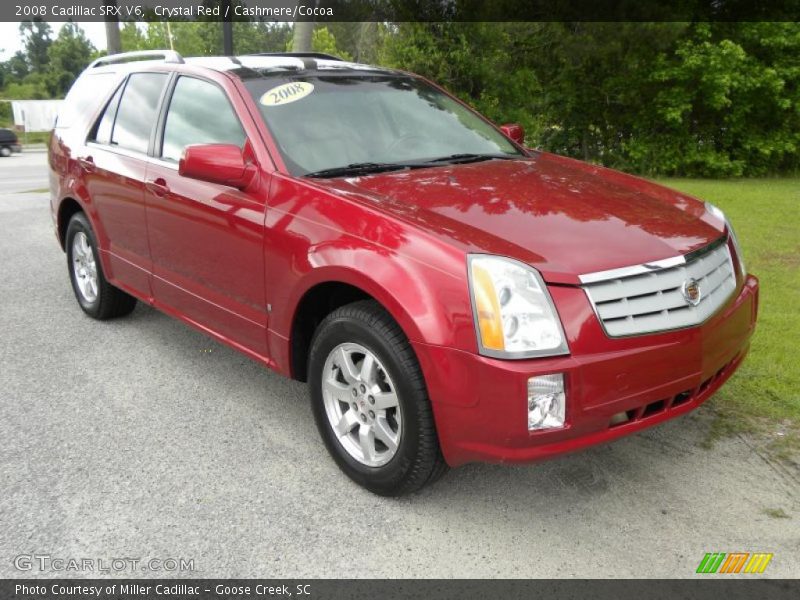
(66, 209)
(322, 297)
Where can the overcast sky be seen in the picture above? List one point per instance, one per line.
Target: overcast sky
(10, 41)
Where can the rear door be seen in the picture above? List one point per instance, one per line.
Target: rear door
(206, 239)
(114, 164)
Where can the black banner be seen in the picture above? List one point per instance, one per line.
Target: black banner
(713, 587)
(401, 10)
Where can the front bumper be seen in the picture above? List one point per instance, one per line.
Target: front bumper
(480, 404)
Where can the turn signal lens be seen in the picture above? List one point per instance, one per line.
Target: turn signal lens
(487, 306)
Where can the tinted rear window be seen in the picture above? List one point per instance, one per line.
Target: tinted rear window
(136, 114)
(84, 97)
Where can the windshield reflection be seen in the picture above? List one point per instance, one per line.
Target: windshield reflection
(351, 120)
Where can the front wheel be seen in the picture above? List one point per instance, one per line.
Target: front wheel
(370, 402)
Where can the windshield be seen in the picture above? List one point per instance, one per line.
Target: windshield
(324, 123)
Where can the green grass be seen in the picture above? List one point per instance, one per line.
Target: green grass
(764, 395)
(776, 513)
(34, 137)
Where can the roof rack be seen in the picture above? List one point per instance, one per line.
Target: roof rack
(169, 56)
(300, 55)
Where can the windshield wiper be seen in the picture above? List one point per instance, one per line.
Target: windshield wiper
(361, 168)
(364, 168)
(467, 158)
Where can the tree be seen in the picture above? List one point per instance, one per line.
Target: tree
(708, 99)
(361, 41)
(113, 42)
(486, 64)
(37, 38)
(68, 55)
(252, 38)
(322, 40)
(16, 67)
(725, 104)
(132, 38)
(301, 38)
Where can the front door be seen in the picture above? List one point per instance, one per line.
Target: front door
(206, 239)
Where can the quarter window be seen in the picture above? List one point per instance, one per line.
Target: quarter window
(137, 111)
(105, 125)
(199, 113)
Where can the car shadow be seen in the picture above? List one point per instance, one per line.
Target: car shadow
(638, 462)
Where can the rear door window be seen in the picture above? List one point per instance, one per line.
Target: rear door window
(138, 111)
(199, 113)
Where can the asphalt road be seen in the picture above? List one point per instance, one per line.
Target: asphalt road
(142, 438)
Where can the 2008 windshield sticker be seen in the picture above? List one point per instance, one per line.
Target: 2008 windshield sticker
(286, 93)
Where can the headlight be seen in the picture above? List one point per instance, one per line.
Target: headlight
(514, 315)
(721, 215)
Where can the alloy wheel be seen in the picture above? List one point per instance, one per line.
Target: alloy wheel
(84, 267)
(361, 404)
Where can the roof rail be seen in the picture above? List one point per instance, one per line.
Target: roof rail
(169, 56)
(300, 55)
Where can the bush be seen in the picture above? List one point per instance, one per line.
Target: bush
(708, 99)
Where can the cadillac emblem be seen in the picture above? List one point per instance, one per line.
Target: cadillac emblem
(691, 291)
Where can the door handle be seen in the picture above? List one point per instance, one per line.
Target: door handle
(87, 163)
(157, 187)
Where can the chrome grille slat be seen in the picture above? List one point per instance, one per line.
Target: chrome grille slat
(640, 305)
(648, 302)
(714, 280)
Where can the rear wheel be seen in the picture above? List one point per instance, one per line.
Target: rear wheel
(5, 151)
(370, 402)
(96, 296)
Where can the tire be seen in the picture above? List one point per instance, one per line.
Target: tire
(98, 298)
(347, 337)
(5, 151)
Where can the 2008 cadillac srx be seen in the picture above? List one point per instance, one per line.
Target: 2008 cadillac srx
(449, 295)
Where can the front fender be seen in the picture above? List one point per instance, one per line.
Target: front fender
(313, 237)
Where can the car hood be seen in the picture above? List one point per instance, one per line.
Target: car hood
(562, 216)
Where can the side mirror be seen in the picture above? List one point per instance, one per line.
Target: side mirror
(216, 163)
(515, 132)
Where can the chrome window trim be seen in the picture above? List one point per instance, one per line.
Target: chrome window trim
(133, 154)
(119, 150)
(167, 164)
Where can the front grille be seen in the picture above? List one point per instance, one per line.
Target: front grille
(650, 298)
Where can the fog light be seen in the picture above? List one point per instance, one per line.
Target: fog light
(546, 402)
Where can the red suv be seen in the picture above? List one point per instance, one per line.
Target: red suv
(449, 295)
